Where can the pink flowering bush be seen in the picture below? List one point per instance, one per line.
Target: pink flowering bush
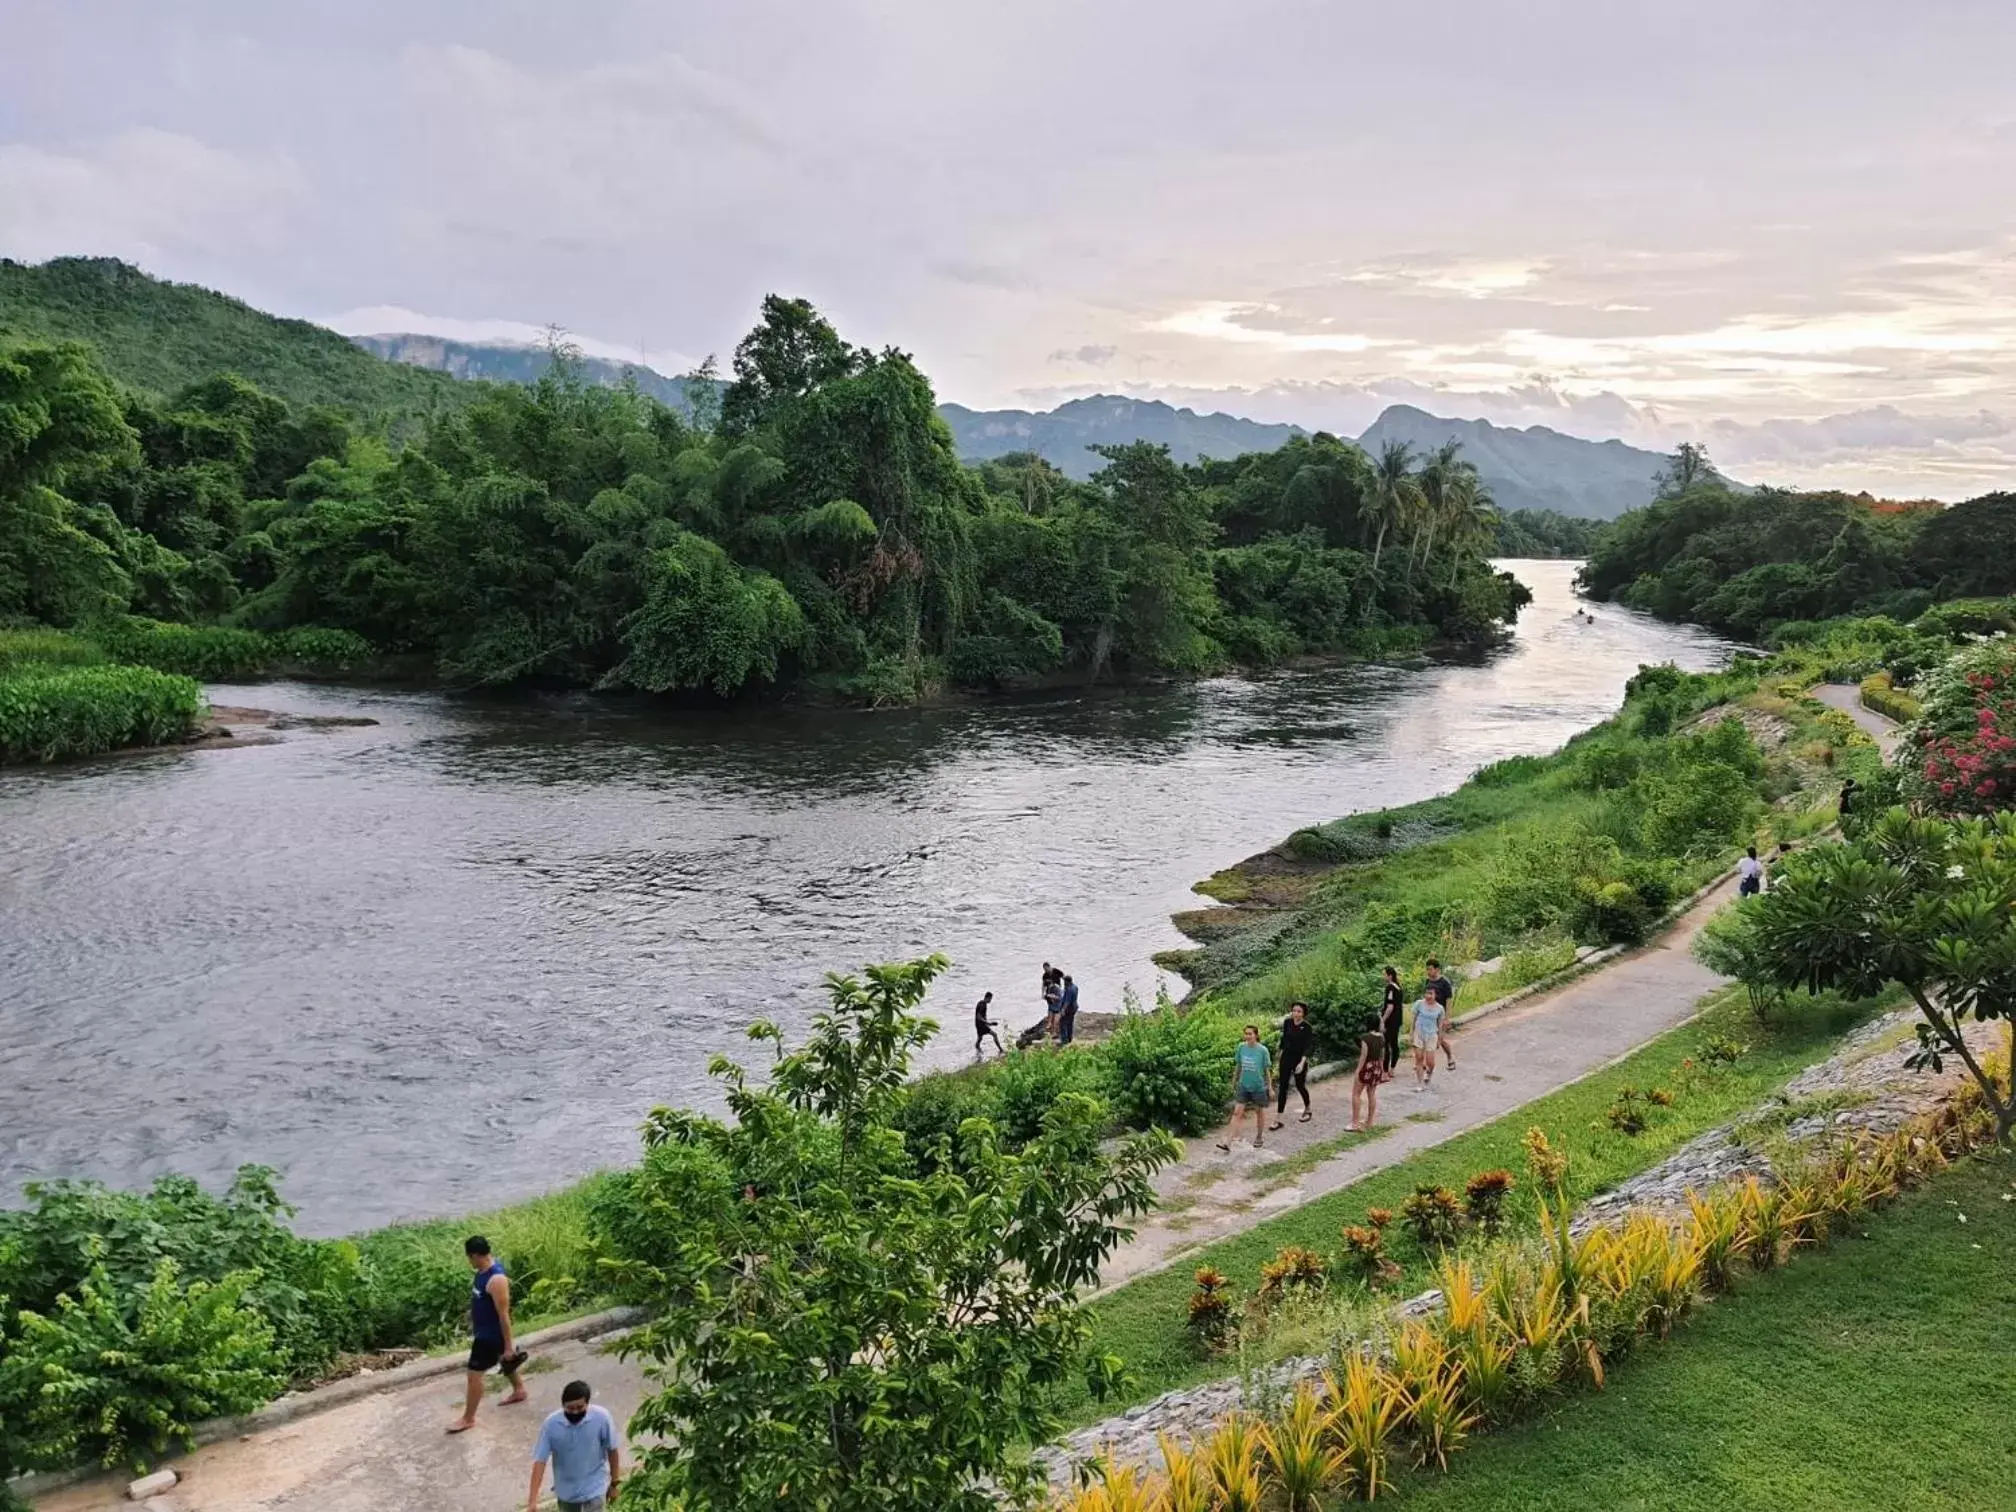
(1966, 744)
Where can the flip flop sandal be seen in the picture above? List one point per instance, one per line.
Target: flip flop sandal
(1303, 1119)
(1226, 1148)
(1277, 1124)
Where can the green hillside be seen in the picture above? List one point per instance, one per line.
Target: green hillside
(159, 337)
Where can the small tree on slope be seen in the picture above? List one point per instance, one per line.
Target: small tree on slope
(1927, 903)
(843, 1329)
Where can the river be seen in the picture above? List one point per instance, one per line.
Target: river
(452, 959)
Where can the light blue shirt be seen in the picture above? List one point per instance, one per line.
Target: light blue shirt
(579, 1452)
(1428, 1018)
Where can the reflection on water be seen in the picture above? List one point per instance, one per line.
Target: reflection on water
(452, 959)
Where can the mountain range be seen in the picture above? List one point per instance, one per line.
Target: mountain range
(1535, 468)
(157, 335)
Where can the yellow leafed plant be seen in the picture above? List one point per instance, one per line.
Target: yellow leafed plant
(1365, 1406)
(1301, 1459)
(1232, 1463)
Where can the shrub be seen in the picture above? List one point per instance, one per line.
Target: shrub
(319, 650)
(1630, 1113)
(209, 653)
(1720, 1050)
(1484, 1197)
(1613, 913)
(31, 650)
(1364, 1255)
(1168, 1069)
(1296, 1269)
(83, 711)
(935, 1105)
(1892, 703)
(1433, 1215)
(1028, 1083)
(1210, 1317)
(121, 1381)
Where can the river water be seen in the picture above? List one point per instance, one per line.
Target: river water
(452, 959)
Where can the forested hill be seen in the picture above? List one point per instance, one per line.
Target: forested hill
(159, 337)
(503, 362)
(1064, 436)
(1535, 468)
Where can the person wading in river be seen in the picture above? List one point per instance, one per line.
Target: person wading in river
(984, 1028)
(1392, 1019)
(1298, 1038)
(490, 1323)
(1252, 1085)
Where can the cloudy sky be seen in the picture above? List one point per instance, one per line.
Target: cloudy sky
(1788, 229)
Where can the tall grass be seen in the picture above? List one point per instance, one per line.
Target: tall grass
(43, 650)
(67, 712)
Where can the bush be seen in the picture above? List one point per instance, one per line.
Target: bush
(1295, 1270)
(1210, 1318)
(209, 653)
(1364, 1254)
(1613, 913)
(1878, 694)
(120, 1380)
(1484, 1198)
(934, 1106)
(22, 651)
(322, 651)
(1433, 1215)
(1169, 1070)
(83, 711)
(1028, 1083)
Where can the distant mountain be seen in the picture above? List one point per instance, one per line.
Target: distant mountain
(1535, 468)
(158, 337)
(504, 362)
(1061, 436)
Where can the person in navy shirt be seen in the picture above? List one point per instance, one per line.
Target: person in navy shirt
(490, 1328)
(580, 1442)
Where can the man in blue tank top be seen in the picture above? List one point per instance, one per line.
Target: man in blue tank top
(490, 1326)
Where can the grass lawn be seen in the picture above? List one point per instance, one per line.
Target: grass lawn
(1143, 1322)
(1873, 1375)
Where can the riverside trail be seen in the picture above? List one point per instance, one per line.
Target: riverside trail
(388, 1449)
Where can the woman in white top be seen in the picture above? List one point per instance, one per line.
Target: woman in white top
(1750, 874)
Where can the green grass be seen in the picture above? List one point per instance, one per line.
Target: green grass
(1142, 1322)
(1875, 1374)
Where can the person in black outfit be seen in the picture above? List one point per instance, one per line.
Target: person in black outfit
(984, 1028)
(1298, 1038)
(1392, 1012)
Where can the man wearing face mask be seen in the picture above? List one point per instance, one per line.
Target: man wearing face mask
(580, 1440)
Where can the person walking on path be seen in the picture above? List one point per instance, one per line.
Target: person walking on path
(1750, 871)
(1428, 1016)
(1298, 1039)
(580, 1442)
(984, 1028)
(1392, 1018)
(1252, 1086)
(1365, 1084)
(1440, 988)
(1067, 1012)
(490, 1327)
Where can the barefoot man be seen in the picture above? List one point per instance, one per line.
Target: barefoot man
(490, 1324)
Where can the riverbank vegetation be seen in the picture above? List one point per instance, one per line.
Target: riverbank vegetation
(807, 527)
(1544, 533)
(1745, 563)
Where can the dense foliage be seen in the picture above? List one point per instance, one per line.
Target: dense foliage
(819, 530)
(56, 714)
(1745, 563)
(1962, 757)
(1544, 533)
(851, 1327)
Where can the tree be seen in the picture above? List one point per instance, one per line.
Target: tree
(1929, 904)
(850, 1327)
(791, 352)
(1687, 468)
(1394, 495)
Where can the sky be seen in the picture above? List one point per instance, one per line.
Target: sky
(1785, 230)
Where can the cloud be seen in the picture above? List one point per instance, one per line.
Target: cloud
(1089, 356)
(144, 194)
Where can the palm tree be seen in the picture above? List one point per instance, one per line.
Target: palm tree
(1394, 495)
(1441, 478)
(1472, 514)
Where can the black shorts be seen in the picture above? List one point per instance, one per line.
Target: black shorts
(487, 1354)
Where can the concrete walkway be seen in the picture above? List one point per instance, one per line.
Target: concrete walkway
(1505, 1061)
(1885, 732)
